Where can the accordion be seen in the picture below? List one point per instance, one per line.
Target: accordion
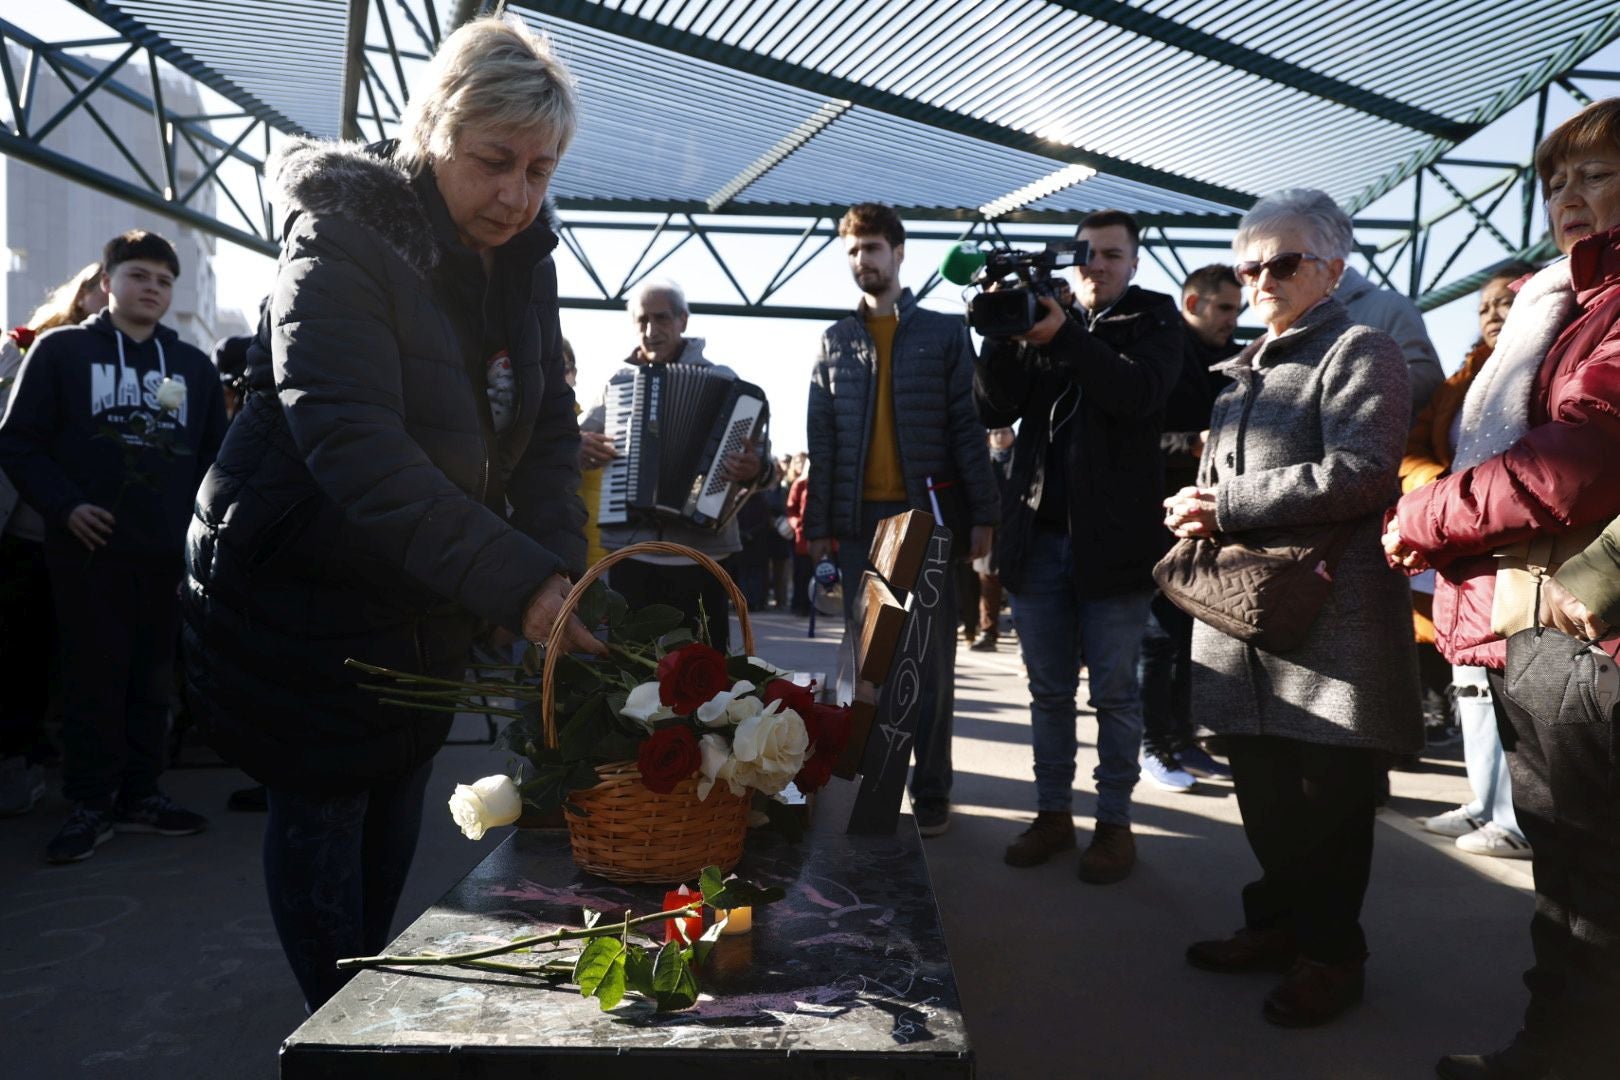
(673, 426)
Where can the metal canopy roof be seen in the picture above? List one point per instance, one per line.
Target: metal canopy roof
(1184, 110)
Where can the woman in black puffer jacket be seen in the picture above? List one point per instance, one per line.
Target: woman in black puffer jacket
(403, 473)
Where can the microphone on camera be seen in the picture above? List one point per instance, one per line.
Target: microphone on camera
(961, 263)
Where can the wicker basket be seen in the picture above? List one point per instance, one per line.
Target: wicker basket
(630, 833)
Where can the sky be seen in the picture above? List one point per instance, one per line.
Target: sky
(777, 353)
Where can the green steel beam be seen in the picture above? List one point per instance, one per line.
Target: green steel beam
(1255, 62)
(1538, 252)
(771, 311)
(648, 32)
(11, 145)
(354, 66)
(1556, 65)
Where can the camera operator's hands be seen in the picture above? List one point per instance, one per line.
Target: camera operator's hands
(1046, 329)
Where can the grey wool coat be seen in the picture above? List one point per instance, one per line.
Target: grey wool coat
(1311, 431)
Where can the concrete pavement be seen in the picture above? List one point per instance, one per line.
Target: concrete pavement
(156, 958)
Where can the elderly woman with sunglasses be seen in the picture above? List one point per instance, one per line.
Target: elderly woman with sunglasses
(1310, 432)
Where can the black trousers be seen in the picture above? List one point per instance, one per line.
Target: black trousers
(681, 587)
(1566, 793)
(1308, 814)
(119, 618)
(27, 645)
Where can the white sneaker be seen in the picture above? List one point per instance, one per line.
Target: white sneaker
(1458, 822)
(1493, 840)
(1163, 770)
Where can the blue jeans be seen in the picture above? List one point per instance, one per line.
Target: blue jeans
(334, 868)
(1483, 758)
(931, 775)
(1057, 632)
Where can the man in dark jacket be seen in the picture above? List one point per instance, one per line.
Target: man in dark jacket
(1082, 531)
(1210, 302)
(891, 428)
(110, 430)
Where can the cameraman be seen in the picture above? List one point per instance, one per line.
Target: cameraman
(1080, 528)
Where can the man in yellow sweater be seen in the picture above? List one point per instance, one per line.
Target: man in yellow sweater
(891, 419)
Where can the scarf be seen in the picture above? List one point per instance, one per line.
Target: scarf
(1496, 412)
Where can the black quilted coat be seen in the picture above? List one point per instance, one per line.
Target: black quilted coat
(939, 435)
(358, 506)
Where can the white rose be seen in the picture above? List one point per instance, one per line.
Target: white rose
(171, 395)
(717, 764)
(645, 707)
(492, 801)
(770, 748)
(728, 706)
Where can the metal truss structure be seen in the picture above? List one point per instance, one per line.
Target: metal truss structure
(384, 43)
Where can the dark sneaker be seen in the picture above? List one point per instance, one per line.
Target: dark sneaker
(1051, 833)
(1246, 950)
(85, 831)
(1314, 993)
(22, 784)
(1110, 856)
(1197, 761)
(933, 816)
(251, 800)
(158, 814)
(987, 643)
(1520, 1059)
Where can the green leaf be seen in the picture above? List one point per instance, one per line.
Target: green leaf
(585, 728)
(617, 609)
(722, 895)
(649, 624)
(599, 971)
(674, 985)
(705, 944)
(681, 635)
(593, 606)
(638, 970)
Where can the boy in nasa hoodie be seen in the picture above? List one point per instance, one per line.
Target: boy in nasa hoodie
(111, 426)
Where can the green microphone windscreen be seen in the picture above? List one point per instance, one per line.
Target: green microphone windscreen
(961, 263)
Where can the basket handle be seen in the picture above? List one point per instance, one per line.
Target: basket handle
(548, 707)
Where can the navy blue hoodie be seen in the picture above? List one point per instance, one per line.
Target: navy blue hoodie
(60, 441)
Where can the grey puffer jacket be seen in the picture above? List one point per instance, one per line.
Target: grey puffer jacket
(1310, 432)
(938, 429)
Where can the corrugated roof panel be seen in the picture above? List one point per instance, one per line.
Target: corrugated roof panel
(286, 53)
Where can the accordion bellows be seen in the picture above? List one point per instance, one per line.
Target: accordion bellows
(673, 425)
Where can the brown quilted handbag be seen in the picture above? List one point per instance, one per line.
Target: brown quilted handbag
(1265, 588)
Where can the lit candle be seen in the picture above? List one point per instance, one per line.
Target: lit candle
(740, 922)
(694, 923)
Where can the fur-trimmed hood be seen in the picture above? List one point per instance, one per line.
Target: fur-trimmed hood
(364, 185)
(327, 177)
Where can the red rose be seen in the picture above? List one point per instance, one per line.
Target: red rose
(690, 676)
(792, 695)
(668, 756)
(23, 336)
(828, 727)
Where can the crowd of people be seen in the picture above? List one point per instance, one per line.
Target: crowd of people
(395, 466)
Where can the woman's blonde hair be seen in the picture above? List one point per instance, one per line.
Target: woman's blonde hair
(493, 72)
(65, 305)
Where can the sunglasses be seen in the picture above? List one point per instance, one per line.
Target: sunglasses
(1282, 266)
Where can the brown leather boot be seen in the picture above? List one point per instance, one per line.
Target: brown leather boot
(1246, 950)
(1110, 856)
(1314, 993)
(1050, 833)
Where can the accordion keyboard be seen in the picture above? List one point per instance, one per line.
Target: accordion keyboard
(621, 406)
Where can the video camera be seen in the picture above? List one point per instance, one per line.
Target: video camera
(1008, 312)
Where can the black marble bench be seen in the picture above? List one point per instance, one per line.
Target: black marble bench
(848, 977)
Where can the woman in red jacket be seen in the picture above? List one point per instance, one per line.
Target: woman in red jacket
(1545, 421)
